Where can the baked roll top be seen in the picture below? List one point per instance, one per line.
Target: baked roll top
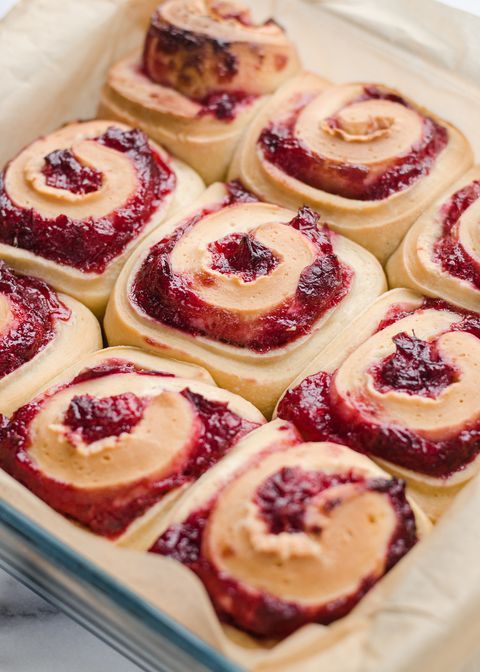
(363, 155)
(74, 203)
(116, 435)
(284, 533)
(248, 289)
(440, 255)
(205, 70)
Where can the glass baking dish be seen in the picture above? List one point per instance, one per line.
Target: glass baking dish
(98, 602)
(39, 559)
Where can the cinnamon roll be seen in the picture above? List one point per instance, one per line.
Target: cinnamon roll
(249, 290)
(440, 255)
(205, 70)
(75, 203)
(364, 156)
(402, 385)
(284, 533)
(113, 440)
(41, 332)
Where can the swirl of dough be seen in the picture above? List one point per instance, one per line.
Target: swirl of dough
(118, 433)
(73, 204)
(204, 73)
(251, 287)
(284, 533)
(404, 390)
(440, 255)
(362, 155)
(40, 333)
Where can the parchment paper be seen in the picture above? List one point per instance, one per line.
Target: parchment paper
(425, 615)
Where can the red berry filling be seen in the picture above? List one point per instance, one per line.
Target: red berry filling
(241, 254)
(289, 153)
(62, 170)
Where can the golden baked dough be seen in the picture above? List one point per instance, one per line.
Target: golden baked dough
(440, 255)
(284, 533)
(249, 290)
(41, 332)
(114, 439)
(367, 159)
(76, 202)
(401, 385)
(203, 75)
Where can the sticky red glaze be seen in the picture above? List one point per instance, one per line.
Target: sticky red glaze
(109, 511)
(90, 244)
(416, 367)
(36, 310)
(319, 413)
(283, 498)
(448, 250)
(170, 298)
(92, 418)
(62, 170)
(241, 254)
(281, 148)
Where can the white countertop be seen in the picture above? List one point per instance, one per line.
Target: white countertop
(36, 637)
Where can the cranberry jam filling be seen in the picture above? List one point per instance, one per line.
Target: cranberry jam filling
(62, 170)
(241, 254)
(109, 511)
(224, 105)
(93, 419)
(320, 415)
(91, 244)
(289, 153)
(171, 299)
(36, 309)
(448, 250)
(282, 499)
(416, 367)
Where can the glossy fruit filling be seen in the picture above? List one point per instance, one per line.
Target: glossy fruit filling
(225, 105)
(62, 170)
(241, 254)
(90, 244)
(170, 298)
(283, 149)
(448, 250)
(282, 500)
(35, 309)
(321, 414)
(416, 367)
(109, 511)
(91, 418)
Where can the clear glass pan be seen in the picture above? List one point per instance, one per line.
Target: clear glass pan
(98, 602)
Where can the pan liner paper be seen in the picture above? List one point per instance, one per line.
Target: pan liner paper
(424, 615)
